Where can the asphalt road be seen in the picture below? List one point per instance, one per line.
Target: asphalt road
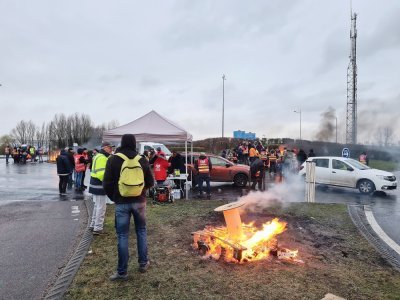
(38, 230)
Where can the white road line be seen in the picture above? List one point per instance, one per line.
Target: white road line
(75, 209)
(379, 231)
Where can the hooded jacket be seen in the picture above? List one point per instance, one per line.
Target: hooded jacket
(113, 170)
(64, 167)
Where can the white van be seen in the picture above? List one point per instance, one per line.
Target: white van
(141, 146)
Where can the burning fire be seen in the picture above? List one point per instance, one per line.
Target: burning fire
(240, 242)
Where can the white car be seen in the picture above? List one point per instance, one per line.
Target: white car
(347, 172)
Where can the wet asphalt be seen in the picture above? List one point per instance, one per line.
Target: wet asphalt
(38, 229)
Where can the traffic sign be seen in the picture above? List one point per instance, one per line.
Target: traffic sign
(346, 152)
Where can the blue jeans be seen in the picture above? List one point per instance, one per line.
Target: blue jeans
(78, 179)
(123, 214)
(205, 178)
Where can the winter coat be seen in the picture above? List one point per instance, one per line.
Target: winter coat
(71, 159)
(177, 163)
(112, 174)
(96, 185)
(160, 168)
(257, 166)
(64, 167)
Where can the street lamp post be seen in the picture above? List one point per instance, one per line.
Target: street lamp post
(299, 112)
(223, 102)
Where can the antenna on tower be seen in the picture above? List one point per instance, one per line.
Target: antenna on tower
(351, 117)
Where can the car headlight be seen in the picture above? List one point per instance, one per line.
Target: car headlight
(383, 177)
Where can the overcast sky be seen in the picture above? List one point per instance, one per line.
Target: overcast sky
(117, 60)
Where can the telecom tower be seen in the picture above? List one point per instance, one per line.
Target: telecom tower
(351, 118)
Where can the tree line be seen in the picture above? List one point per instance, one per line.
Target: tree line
(60, 132)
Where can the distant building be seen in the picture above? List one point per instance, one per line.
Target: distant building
(239, 134)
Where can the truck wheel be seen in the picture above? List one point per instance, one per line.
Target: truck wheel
(366, 186)
(240, 180)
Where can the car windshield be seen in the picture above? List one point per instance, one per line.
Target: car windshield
(155, 146)
(357, 164)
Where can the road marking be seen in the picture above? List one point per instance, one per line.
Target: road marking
(379, 231)
(75, 209)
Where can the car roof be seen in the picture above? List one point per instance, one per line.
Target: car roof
(326, 157)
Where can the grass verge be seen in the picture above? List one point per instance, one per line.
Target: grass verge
(389, 166)
(337, 259)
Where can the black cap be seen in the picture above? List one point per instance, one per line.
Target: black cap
(106, 144)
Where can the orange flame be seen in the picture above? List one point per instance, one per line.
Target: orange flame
(253, 245)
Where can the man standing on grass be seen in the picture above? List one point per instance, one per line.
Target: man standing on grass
(96, 188)
(126, 179)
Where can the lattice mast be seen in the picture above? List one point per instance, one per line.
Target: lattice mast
(351, 118)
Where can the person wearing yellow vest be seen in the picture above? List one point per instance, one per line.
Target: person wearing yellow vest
(96, 188)
(32, 153)
(203, 166)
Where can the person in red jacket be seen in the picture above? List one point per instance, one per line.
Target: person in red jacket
(160, 168)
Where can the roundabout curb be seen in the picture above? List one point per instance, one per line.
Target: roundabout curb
(360, 220)
(64, 280)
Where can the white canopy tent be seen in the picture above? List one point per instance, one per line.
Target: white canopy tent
(152, 127)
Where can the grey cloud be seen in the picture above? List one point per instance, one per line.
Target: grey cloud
(200, 23)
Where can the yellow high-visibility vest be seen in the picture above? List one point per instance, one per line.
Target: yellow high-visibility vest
(99, 166)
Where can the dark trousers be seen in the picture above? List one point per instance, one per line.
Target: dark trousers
(62, 185)
(70, 181)
(201, 178)
(256, 181)
(7, 156)
(83, 178)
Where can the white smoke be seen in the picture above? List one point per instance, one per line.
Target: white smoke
(288, 191)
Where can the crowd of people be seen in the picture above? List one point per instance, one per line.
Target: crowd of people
(23, 153)
(277, 162)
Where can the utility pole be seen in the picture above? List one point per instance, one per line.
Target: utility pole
(223, 102)
(351, 117)
(299, 112)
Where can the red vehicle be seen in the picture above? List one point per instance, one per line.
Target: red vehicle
(223, 170)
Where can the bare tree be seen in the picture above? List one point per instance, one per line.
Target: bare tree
(86, 128)
(379, 136)
(20, 132)
(384, 136)
(41, 135)
(387, 135)
(31, 132)
(59, 130)
(112, 124)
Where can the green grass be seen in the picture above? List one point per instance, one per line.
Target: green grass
(384, 165)
(336, 259)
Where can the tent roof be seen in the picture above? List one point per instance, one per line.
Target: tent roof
(150, 127)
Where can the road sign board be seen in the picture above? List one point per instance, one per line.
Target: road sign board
(346, 152)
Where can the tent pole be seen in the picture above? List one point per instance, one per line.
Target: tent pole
(186, 171)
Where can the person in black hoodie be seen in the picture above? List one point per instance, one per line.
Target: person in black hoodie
(177, 162)
(64, 169)
(70, 155)
(127, 206)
